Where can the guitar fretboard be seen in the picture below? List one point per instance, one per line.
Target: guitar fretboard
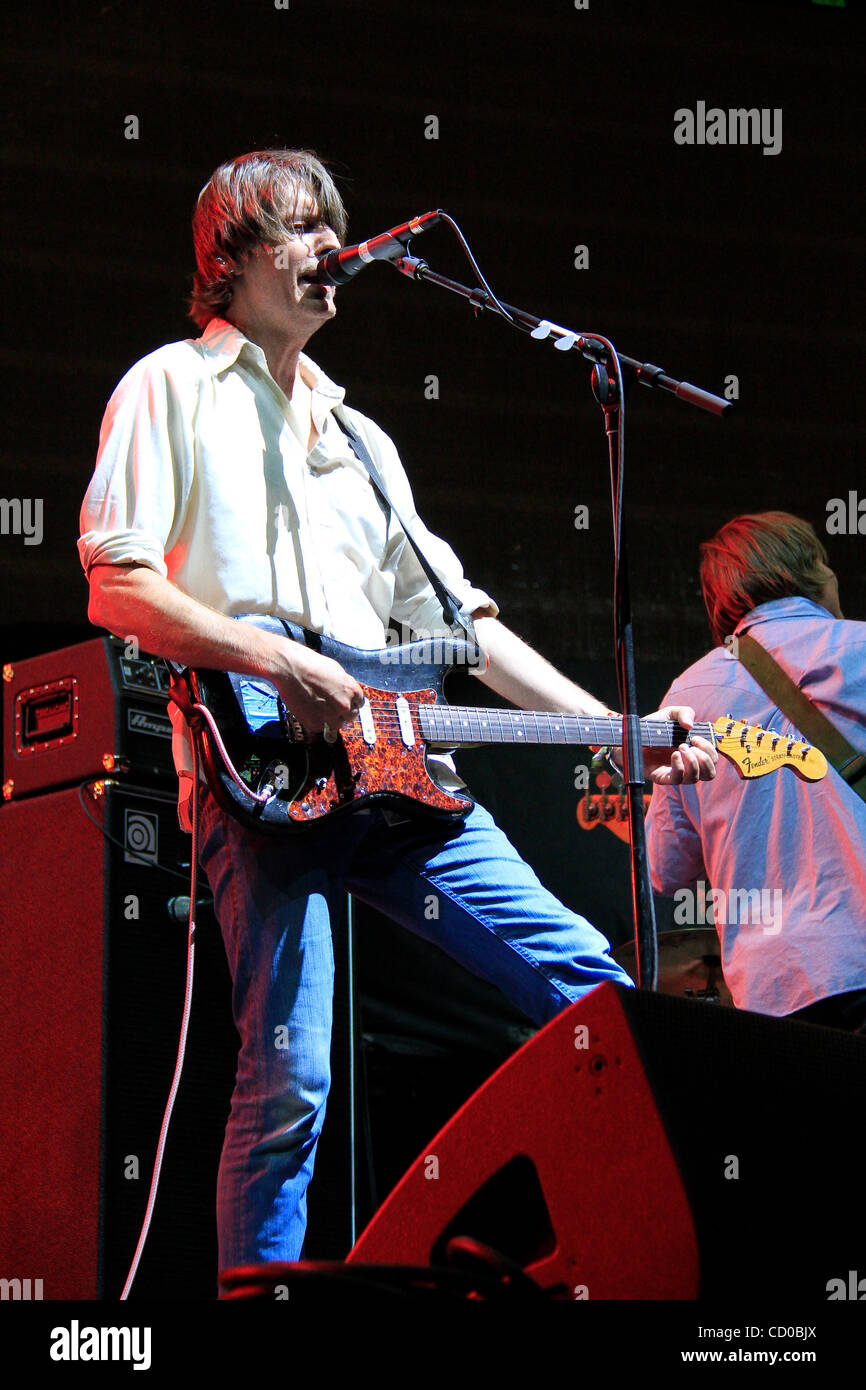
(456, 724)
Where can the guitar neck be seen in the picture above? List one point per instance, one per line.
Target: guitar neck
(456, 725)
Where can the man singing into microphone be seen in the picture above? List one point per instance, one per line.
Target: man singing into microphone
(226, 485)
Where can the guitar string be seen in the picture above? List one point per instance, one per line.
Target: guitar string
(443, 738)
(446, 714)
(389, 723)
(468, 714)
(448, 718)
(471, 712)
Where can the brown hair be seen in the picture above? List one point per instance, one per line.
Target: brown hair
(249, 202)
(754, 559)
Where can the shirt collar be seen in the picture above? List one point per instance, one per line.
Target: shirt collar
(794, 607)
(223, 343)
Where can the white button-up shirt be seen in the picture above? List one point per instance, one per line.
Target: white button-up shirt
(203, 474)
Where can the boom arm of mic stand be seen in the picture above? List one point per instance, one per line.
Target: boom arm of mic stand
(565, 338)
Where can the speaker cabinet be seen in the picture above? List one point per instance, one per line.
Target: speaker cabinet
(94, 967)
(647, 1146)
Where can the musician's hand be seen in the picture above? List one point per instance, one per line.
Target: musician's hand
(314, 688)
(691, 762)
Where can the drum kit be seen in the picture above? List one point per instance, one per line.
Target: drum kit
(689, 965)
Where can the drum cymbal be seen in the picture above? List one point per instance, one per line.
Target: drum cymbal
(690, 964)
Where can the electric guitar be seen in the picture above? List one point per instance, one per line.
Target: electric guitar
(272, 775)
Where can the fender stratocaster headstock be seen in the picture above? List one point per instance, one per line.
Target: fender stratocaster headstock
(757, 751)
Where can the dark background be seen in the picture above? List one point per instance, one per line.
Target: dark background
(555, 129)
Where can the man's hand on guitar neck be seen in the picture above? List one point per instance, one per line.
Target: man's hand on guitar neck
(691, 762)
(520, 675)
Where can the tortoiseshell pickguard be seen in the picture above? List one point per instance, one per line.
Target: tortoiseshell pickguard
(353, 770)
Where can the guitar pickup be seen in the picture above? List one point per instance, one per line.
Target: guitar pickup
(368, 728)
(404, 719)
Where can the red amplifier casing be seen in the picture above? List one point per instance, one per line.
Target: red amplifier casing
(81, 712)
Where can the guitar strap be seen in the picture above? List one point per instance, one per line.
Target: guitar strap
(450, 603)
(804, 713)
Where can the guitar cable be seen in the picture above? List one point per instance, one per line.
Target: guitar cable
(88, 786)
(194, 712)
(264, 796)
(184, 1029)
(268, 791)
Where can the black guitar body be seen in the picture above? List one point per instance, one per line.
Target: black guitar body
(377, 758)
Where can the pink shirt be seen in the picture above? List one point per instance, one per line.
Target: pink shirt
(786, 858)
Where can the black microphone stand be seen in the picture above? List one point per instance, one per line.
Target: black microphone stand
(607, 379)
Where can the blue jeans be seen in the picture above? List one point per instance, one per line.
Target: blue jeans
(463, 888)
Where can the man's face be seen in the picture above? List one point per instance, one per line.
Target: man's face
(277, 290)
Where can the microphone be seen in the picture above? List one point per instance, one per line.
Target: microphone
(336, 267)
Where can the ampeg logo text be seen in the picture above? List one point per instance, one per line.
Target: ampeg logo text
(140, 837)
(143, 721)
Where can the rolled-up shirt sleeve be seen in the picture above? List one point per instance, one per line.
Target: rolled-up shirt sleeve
(134, 507)
(415, 602)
